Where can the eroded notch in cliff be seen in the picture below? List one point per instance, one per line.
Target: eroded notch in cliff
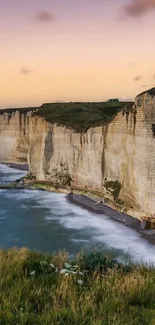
(127, 110)
(153, 130)
(104, 136)
(48, 151)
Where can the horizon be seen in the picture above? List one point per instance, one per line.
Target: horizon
(62, 51)
(126, 100)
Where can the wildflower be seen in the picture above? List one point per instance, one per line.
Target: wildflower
(73, 272)
(32, 273)
(81, 273)
(67, 266)
(43, 262)
(80, 282)
(21, 309)
(74, 266)
(63, 271)
(52, 265)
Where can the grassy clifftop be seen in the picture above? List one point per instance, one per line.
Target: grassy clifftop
(44, 289)
(81, 116)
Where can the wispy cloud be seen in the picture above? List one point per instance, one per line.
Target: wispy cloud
(137, 8)
(143, 86)
(25, 71)
(44, 16)
(137, 78)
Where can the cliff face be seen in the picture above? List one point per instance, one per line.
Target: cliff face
(14, 136)
(116, 159)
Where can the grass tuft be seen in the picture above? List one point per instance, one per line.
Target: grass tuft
(52, 289)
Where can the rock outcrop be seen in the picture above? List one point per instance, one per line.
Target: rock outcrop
(116, 159)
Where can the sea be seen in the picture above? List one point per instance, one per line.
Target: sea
(47, 222)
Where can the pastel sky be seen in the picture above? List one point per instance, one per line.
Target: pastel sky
(75, 50)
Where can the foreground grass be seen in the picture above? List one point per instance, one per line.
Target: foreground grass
(41, 289)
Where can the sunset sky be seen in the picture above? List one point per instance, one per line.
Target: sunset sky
(75, 50)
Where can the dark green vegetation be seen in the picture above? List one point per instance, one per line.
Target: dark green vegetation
(113, 187)
(40, 289)
(113, 100)
(62, 178)
(23, 110)
(81, 116)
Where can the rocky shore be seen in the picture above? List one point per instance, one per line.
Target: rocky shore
(86, 202)
(18, 166)
(92, 206)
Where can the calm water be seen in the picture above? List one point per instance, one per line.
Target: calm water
(48, 222)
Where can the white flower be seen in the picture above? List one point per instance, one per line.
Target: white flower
(21, 309)
(80, 282)
(52, 265)
(67, 266)
(43, 262)
(81, 273)
(74, 266)
(63, 271)
(32, 273)
(73, 272)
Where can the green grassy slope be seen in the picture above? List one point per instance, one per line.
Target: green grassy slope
(40, 289)
(81, 116)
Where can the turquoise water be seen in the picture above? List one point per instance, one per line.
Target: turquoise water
(48, 222)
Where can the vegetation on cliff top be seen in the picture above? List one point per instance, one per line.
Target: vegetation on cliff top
(81, 116)
(44, 289)
(23, 110)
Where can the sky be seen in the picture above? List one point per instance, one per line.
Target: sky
(75, 50)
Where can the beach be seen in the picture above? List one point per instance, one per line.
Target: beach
(90, 204)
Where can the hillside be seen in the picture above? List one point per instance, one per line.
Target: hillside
(81, 116)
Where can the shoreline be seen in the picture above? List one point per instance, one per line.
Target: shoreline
(90, 205)
(17, 166)
(86, 202)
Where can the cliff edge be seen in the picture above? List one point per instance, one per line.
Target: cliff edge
(105, 147)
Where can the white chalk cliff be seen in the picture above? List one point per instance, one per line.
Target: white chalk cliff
(116, 159)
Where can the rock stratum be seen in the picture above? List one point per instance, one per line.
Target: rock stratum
(112, 154)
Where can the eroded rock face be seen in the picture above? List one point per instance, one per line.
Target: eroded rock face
(120, 154)
(14, 137)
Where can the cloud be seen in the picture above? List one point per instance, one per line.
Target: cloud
(44, 16)
(137, 8)
(137, 78)
(25, 71)
(154, 76)
(143, 86)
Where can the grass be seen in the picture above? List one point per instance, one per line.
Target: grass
(81, 116)
(95, 291)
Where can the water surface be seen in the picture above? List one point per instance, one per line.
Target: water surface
(48, 222)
